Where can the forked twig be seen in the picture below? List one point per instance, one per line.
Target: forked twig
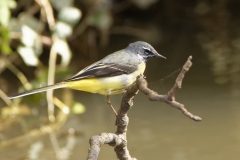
(119, 140)
(170, 97)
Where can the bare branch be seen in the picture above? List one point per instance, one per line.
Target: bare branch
(44, 39)
(170, 97)
(45, 4)
(5, 98)
(119, 140)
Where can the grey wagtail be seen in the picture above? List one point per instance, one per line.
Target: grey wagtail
(111, 75)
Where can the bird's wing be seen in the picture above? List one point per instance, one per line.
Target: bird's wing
(103, 70)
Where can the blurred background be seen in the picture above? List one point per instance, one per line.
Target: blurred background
(42, 42)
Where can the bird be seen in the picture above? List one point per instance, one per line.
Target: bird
(111, 75)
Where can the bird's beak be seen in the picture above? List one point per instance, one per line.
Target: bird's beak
(160, 56)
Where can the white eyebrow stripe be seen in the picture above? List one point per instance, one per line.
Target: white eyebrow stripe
(146, 48)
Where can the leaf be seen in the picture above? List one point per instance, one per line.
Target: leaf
(12, 4)
(28, 55)
(29, 37)
(33, 23)
(63, 30)
(62, 48)
(5, 6)
(78, 108)
(5, 16)
(70, 15)
(14, 25)
(5, 48)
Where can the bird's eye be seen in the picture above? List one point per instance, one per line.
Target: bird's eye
(147, 50)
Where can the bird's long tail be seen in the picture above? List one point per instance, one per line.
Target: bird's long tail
(42, 89)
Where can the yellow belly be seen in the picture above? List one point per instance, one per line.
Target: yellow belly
(107, 85)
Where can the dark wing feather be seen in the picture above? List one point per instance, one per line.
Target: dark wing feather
(104, 70)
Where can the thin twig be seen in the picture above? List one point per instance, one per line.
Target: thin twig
(110, 105)
(45, 4)
(20, 75)
(53, 56)
(117, 140)
(36, 133)
(5, 98)
(51, 74)
(44, 39)
(55, 145)
(170, 97)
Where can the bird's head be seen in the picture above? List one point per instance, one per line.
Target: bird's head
(144, 50)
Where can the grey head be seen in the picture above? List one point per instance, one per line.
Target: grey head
(144, 50)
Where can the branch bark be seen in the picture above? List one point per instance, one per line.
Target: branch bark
(169, 98)
(119, 139)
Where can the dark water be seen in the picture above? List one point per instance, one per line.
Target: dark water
(156, 131)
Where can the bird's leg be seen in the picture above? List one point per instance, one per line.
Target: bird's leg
(109, 103)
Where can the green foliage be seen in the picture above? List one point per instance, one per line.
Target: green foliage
(5, 6)
(70, 15)
(32, 46)
(5, 48)
(62, 48)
